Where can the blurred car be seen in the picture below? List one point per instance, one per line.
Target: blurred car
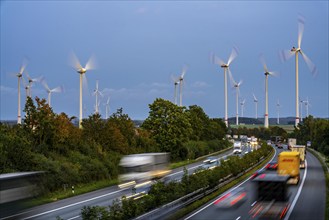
(257, 173)
(210, 163)
(232, 199)
(269, 142)
(273, 165)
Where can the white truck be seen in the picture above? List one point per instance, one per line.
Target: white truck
(302, 153)
(291, 142)
(237, 147)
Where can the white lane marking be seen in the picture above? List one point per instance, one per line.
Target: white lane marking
(298, 194)
(238, 218)
(253, 203)
(195, 166)
(74, 204)
(224, 193)
(74, 217)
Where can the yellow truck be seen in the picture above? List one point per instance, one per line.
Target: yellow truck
(288, 164)
(302, 153)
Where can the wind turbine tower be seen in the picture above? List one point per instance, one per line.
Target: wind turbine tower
(19, 76)
(107, 107)
(50, 91)
(306, 105)
(301, 109)
(256, 105)
(225, 66)
(82, 71)
(181, 79)
(267, 73)
(96, 93)
(237, 91)
(287, 54)
(176, 82)
(242, 106)
(278, 111)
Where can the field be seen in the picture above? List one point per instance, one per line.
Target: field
(288, 128)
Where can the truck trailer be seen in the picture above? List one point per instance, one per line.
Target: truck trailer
(302, 153)
(288, 164)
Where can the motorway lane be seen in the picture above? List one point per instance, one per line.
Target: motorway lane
(311, 199)
(70, 208)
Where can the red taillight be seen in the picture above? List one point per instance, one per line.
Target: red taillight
(268, 165)
(283, 213)
(238, 198)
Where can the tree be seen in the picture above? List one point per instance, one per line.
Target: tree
(199, 121)
(169, 127)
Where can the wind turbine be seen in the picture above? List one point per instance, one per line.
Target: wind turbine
(256, 104)
(267, 73)
(50, 91)
(176, 82)
(31, 81)
(225, 66)
(242, 106)
(19, 76)
(287, 54)
(301, 109)
(237, 91)
(81, 70)
(278, 111)
(181, 78)
(307, 104)
(107, 107)
(96, 93)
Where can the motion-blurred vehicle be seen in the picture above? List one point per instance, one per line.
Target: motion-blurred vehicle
(291, 142)
(237, 147)
(257, 173)
(271, 192)
(273, 165)
(210, 163)
(288, 164)
(269, 142)
(232, 199)
(137, 168)
(302, 153)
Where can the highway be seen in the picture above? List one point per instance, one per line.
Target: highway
(70, 208)
(307, 199)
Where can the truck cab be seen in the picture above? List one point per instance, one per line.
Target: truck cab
(237, 147)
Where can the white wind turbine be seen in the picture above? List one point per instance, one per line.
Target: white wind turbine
(176, 82)
(237, 91)
(301, 109)
(278, 112)
(50, 91)
(287, 54)
(307, 104)
(225, 66)
(181, 78)
(19, 76)
(107, 110)
(81, 70)
(96, 93)
(242, 103)
(30, 83)
(267, 73)
(256, 104)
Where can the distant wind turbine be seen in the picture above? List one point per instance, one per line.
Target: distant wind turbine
(301, 110)
(31, 81)
(19, 76)
(50, 91)
(107, 111)
(81, 70)
(96, 93)
(256, 105)
(176, 82)
(237, 92)
(225, 66)
(267, 73)
(242, 106)
(181, 79)
(307, 104)
(278, 111)
(287, 54)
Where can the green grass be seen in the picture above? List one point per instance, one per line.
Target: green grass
(195, 205)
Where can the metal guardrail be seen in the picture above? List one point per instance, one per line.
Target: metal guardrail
(166, 210)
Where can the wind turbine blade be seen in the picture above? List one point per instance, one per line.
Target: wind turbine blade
(301, 23)
(241, 81)
(255, 99)
(44, 83)
(23, 66)
(275, 74)
(233, 55)
(74, 61)
(262, 60)
(285, 55)
(91, 64)
(310, 64)
(183, 71)
(232, 81)
(57, 89)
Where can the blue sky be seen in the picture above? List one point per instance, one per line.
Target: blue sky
(138, 45)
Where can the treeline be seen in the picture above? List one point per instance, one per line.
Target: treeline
(50, 142)
(260, 132)
(161, 193)
(316, 131)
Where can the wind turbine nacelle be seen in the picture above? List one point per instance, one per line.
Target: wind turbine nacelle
(224, 65)
(82, 71)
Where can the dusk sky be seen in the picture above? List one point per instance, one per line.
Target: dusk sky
(138, 45)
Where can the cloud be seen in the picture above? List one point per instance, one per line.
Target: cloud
(141, 10)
